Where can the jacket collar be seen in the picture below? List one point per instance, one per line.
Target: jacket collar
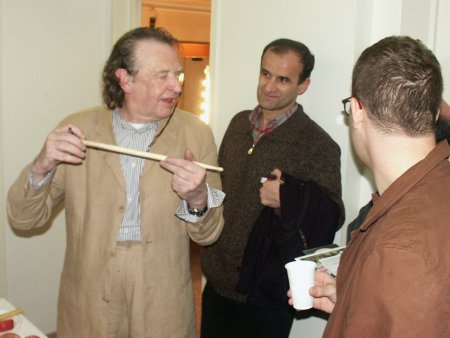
(397, 190)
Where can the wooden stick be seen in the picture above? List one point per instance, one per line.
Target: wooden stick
(137, 153)
(11, 313)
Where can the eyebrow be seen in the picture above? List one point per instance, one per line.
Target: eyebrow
(161, 71)
(280, 77)
(167, 71)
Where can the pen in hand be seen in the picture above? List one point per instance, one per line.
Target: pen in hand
(270, 177)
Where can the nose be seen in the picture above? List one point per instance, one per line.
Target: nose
(269, 85)
(176, 83)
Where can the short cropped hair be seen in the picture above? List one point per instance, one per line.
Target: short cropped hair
(282, 46)
(122, 56)
(399, 82)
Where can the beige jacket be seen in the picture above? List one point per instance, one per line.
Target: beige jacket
(95, 198)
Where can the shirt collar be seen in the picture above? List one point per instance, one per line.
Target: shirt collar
(121, 123)
(402, 185)
(255, 118)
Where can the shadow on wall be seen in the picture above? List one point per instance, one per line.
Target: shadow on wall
(299, 315)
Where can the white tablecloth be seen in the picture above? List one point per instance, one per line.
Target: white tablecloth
(24, 327)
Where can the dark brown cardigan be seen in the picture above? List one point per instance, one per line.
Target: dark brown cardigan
(299, 147)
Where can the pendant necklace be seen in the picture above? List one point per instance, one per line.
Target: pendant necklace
(250, 151)
(261, 133)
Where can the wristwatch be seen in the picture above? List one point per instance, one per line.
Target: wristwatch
(198, 212)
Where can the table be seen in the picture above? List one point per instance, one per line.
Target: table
(24, 326)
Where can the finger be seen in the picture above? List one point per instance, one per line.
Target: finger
(326, 291)
(185, 181)
(276, 172)
(74, 130)
(64, 151)
(318, 292)
(263, 195)
(188, 155)
(67, 139)
(70, 144)
(321, 277)
(60, 143)
(181, 167)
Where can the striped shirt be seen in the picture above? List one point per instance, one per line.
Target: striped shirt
(138, 138)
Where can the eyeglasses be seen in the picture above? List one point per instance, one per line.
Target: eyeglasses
(165, 75)
(346, 103)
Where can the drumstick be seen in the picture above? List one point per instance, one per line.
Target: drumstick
(137, 153)
(11, 313)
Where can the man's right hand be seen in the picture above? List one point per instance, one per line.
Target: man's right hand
(324, 291)
(62, 145)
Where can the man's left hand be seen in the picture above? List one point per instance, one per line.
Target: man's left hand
(188, 180)
(270, 190)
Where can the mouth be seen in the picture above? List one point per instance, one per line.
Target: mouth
(270, 97)
(268, 94)
(170, 101)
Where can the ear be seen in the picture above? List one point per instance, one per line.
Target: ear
(444, 109)
(124, 79)
(302, 87)
(358, 113)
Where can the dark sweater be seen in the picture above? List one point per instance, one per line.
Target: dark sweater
(299, 147)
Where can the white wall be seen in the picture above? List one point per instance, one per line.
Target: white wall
(441, 44)
(336, 32)
(52, 54)
(2, 197)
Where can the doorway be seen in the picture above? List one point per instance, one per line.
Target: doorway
(188, 21)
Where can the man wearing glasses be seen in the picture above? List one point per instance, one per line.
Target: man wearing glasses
(394, 276)
(442, 133)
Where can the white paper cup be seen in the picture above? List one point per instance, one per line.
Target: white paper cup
(301, 279)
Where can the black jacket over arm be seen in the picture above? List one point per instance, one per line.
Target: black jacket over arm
(309, 218)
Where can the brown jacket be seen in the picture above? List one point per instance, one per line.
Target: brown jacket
(394, 276)
(95, 197)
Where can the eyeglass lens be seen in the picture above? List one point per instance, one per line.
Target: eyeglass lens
(346, 103)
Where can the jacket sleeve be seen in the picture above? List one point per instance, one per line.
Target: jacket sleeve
(386, 302)
(209, 228)
(29, 207)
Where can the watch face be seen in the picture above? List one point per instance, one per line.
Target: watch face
(198, 212)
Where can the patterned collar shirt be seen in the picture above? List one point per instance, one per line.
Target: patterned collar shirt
(256, 120)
